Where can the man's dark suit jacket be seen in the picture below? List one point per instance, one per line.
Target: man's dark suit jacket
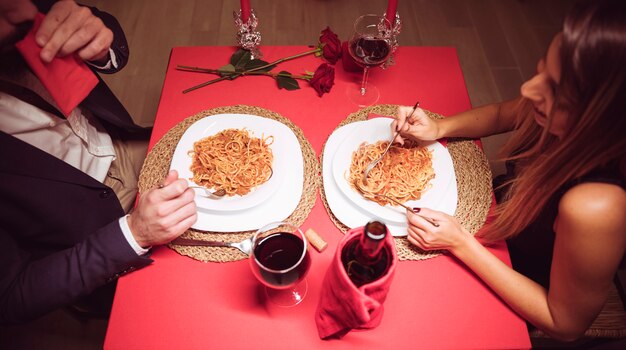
(59, 232)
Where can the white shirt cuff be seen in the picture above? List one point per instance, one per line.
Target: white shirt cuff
(129, 237)
(112, 63)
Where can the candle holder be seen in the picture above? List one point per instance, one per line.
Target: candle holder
(391, 34)
(248, 37)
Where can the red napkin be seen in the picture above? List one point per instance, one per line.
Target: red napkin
(342, 306)
(67, 79)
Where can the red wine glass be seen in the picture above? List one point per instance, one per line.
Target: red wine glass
(280, 260)
(369, 46)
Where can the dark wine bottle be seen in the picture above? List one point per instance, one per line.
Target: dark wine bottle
(365, 257)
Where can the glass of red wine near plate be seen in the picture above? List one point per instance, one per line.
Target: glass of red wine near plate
(280, 260)
(370, 47)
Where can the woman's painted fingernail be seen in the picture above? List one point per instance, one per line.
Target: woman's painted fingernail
(416, 210)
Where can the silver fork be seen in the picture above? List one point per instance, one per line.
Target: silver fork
(430, 220)
(244, 246)
(371, 165)
(215, 195)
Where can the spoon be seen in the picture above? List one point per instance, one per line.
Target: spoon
(371, 165)
(244, 246)
(409, 209)
(215, 195)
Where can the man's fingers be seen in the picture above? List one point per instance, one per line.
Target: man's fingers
(60, 32)
(185, 223)
(177, 222)
(179, 202)
(84, 36)
(172, 175)
(51, 22)
(176, 195)
(98, 47)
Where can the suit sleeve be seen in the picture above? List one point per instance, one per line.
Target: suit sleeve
(119, 44)
(31, 288)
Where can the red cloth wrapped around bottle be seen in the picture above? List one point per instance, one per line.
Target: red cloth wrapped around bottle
(342, 306)
(67, 79)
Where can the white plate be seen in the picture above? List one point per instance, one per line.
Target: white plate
(257, 127)
(378, 129)
(346, 211)
(350, 207)
(285, 194)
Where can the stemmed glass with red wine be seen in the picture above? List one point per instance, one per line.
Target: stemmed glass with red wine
(370, 47)
(280, 260)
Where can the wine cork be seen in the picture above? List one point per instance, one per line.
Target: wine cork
(316, 240)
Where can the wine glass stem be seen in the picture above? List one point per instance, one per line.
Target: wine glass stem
(364, 81)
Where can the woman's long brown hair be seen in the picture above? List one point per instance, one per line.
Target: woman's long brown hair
(592, 91)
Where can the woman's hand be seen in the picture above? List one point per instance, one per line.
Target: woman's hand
(414, 124)
(70, 28)
(449, 235)
(163, 213)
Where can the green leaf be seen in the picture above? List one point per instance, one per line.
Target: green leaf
(256, 63)
(285, 81)
(240, 58)
(226, 70)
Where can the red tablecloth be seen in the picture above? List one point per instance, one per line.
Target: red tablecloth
(180, 303)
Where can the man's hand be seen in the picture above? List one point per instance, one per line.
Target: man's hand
(163, 213)
(69, 28)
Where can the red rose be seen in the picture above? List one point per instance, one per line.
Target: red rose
(323, 79)
(331, 45)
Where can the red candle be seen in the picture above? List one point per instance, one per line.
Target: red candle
(245, 10)
(392, 6)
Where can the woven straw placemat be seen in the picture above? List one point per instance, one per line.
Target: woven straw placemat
(157, 164)
(473, 178)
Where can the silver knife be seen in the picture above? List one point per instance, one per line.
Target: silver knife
(197, 242)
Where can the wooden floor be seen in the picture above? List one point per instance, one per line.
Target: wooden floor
(498, 43)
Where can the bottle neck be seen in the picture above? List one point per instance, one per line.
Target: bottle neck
(372, 240)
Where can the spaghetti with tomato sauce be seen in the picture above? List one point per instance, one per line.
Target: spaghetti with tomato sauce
(403, 174)
(232, 160)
